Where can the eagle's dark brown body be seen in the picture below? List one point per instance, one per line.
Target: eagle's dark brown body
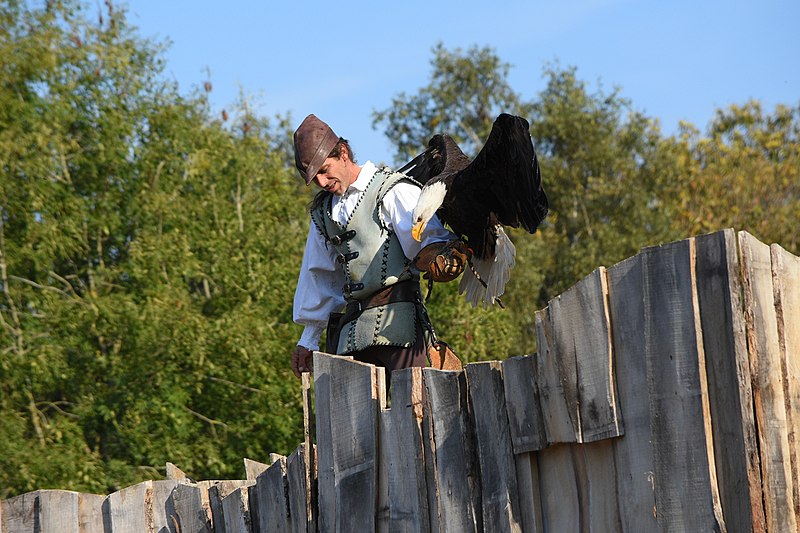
(501, 185)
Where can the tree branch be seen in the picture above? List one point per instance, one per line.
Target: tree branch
(234, 384)
(470, 133)
(17, 325)
(46, 287)
(65, 282)
(206, 419)
(55, 406)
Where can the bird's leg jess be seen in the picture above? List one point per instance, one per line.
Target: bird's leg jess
(480, 279)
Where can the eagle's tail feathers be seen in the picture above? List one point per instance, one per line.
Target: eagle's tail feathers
(495, 272)
(470, 287)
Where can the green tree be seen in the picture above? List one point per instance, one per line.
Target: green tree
(468, 89)
(744, 174)
(146, 306)
(610, 176)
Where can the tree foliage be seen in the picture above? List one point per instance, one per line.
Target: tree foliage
(609, 175)
(468, 89)
(745, 174)
(146, 306)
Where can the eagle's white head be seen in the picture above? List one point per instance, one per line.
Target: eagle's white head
(430, 200)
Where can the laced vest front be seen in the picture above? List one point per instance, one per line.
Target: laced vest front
(372, 259)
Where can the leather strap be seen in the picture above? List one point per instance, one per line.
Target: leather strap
(404, 291)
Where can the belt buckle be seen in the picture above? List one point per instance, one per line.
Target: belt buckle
(355, 303)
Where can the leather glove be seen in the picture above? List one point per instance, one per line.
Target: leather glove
(301, 360)
(443, 261)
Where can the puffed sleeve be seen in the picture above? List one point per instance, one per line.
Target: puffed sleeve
(398, 206)
(319, 289)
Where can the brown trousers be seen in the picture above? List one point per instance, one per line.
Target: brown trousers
(395, 357)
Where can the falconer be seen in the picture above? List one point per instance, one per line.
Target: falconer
(361, 266)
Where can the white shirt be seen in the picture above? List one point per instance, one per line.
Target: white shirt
(319, 286)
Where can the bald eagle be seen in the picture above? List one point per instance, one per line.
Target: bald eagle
(502, 186)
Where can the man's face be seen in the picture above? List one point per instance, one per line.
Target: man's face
(335, 175)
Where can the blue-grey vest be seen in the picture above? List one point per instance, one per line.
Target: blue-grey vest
(372, 259)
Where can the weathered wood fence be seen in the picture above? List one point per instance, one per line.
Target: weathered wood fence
(664, 397)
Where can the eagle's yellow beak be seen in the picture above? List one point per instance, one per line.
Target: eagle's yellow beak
(416, 231)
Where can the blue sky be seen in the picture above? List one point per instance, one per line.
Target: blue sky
(678, 60)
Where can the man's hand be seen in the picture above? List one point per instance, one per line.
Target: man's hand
(301, 360)
(442, 261)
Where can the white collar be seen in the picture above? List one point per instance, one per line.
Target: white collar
(368, 170)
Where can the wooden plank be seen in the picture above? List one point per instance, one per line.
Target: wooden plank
(351, 395)
(596, 482)
(173, 472)
(582, 328)
(429, 447)
(768, 384)
(382, 460)
(58, 511)
(408, 493)
(558, 489)
(453, 461)
(205, 498)
(299, 486)
(786, 282)
(633, 453)
(354, 426)
(563, 368)
(379, 386)
(253, 469)
(687, 496)
(323, 401)
(19, 513)
(582, 335)
(236, 511)
(128, 510)
(141, 507)
(499, 502)
(386, 437)
(558, 423)
(218, 491)
(529, 497)
(160, 506)
(92, 512)
(729, 383)
(270, 493)
(309, 454)
(526, 424)
(525, 417)
(189, 514)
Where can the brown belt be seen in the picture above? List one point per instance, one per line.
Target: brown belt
(403, 291)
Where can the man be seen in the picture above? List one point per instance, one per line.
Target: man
(360, 256)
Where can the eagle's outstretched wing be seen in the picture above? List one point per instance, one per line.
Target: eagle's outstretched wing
(441, 158)
(506, 172)
(504, 177)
